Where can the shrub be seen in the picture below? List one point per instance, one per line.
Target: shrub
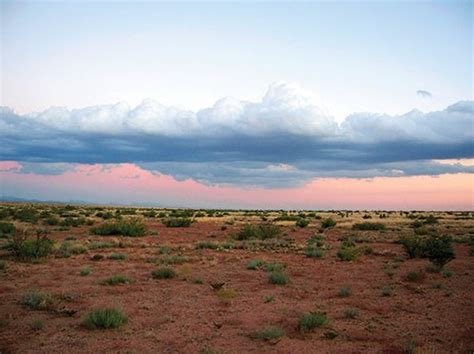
(439, 249)
(6, 228)
(311, 320)
(85, 271)
(254, 264)
(387, 291)
(351, 313)
(36, 324)
(104, 318)
(302, 223)
(99, 245)
(208, 245)
(344, 292)
(447, 273)
(415, 276)
(97, 257)
(278, 278)
(328, 223)
(266, 230)
(414, 245)
(25, 248)
(249, 231)
(312, 252)
(177, 222)
(37, 300)
(163, 273)
(226, 295)
(116, 279)
(274, 267)
(131, 227)
(268, 333)
(347, 254)
(367, 226)
(173, 260)
(118, 256)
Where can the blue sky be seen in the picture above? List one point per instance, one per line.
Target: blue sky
(358, 56)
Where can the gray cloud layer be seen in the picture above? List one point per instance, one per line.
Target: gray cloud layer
(285, 140)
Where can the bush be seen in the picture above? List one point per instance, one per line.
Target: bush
(439, 249)
(274, 267)
(311, 320)
(414, 245)
(104, 318)
(368, 226)
(24, 248)
(268, 333)
(263, 231)
(6, 228)
(347, 254)
(278, 278)
(208, 245)
(351, 313)
(177, 222)
(85, 271)
(414, 276)
(302, 223)
(328, 223)
(116, 279)
(312, 252)
(163, 273)
(36, 324)
(255, 264)
(226, 295)
(131, 227)
(37, 300)
(344, 292)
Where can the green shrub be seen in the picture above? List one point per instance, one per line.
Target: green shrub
(368, 226)
(104, 318)
(254, 264)
(6, 228)
(274, 267)
(278, 278)
(131, 227)
(37, 300)
(347, 254)
(302, 223)
(439, 249)
(116, 279)
(414, 245)
(99, 245)
(249, 231)
(173, 260)
(263, 231)
(25, 248)
(328, 223)
(268, 333)
(312, 252)
(163, 273)
(177, 222)
(311, 320)
(447, 273)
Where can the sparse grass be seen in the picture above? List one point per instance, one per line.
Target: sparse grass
(344, 292)
(116, 279)
(105, 318)
(278, 278)
(99, 245)
(206, 245)
(85, 271)
(268, 298)
(163, 273)
(311, 320)
(176, 259)
(415, 276)
(198, 281)
(387, 291)
(118, 256)
(447, 273)
(268, 333)
(351, 313)
(37, 300)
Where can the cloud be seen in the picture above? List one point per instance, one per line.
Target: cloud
(424, 93)
(286, 139)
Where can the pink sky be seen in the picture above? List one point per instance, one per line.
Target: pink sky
(129, 184)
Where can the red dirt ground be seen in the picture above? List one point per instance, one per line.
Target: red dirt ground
(180, 316)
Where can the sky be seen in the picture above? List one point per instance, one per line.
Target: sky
(337, 105)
